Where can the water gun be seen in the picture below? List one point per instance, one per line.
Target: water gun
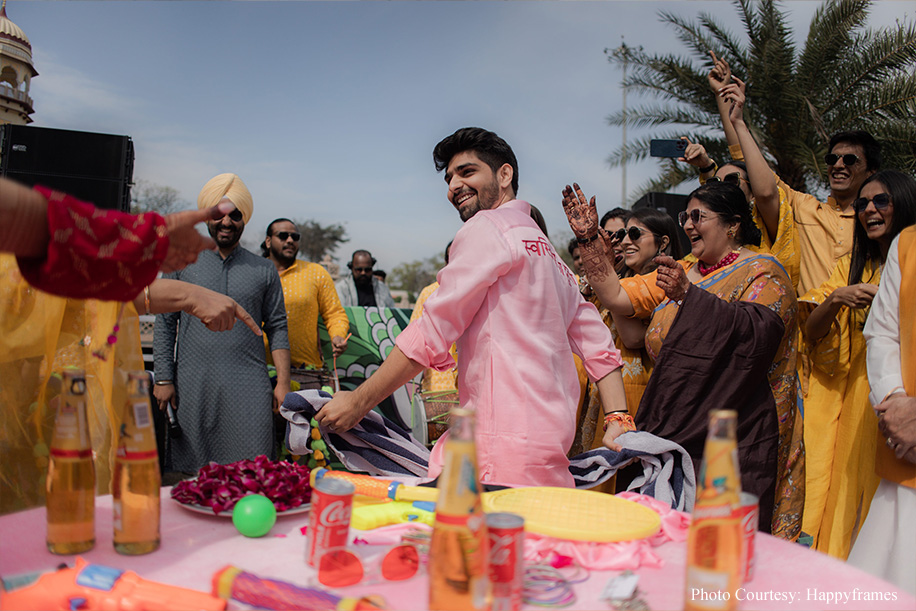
(93, 586)
(378, 488)
(367, 517)
(231, 582)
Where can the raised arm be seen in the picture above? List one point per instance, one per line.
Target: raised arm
(763, 182)
(719, 77)
(594, 247)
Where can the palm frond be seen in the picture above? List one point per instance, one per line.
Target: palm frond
(829, 37)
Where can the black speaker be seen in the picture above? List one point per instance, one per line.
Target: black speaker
(97, 168)
(672, 203)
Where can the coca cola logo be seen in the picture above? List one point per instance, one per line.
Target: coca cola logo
(500, 549)
(337, 512)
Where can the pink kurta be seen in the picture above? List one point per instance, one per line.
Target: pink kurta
(514, 310)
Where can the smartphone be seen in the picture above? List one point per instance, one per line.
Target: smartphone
(667, 148)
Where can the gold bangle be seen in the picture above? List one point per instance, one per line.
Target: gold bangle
(146, 299)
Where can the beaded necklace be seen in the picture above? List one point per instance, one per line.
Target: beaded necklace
(726, 260)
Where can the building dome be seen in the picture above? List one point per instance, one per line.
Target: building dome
(10, 32)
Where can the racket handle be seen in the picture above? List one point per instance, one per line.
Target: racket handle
(378, 488)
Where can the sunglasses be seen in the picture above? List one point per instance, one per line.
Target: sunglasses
(694, 215)
(364, 270)
(634, 232)
(881, 201)
(848, 159)
(283, 235)
(340, 567)
(733, 178)
(235, 215)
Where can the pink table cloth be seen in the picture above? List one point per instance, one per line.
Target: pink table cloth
(195, 546)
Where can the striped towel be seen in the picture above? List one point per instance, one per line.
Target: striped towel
(379, 447)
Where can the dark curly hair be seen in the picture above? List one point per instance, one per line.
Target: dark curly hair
(492, 150)
(729, 204)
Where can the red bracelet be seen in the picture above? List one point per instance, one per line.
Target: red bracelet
(625, 420)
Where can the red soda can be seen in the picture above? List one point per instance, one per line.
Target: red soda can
(748, 511)
(507, 561)
(329, 517)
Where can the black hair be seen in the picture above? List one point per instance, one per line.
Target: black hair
(492, 150)
(660, 223)
(573, 244)
(361, 252)
(380, 273)
(743, 167)
(617, 213)
(448, 247)
(265, 252)
(870, 146)
(729, 204)
(902, 189)
(538, 219)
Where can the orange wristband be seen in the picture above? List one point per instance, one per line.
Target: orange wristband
(625, 420)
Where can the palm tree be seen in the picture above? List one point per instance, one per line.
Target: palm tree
(845, 77)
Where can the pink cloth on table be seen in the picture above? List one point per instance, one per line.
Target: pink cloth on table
(515, 312)
(617, 555)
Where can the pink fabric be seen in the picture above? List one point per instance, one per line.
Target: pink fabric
(516, 312)
(613, 556)
(195, 546)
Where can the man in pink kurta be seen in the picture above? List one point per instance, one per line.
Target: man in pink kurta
(514, 309)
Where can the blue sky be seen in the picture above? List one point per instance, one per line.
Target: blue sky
(330, 110)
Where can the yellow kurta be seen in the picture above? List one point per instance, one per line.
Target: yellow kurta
(840, 426)
(308, 291)
(40, 335)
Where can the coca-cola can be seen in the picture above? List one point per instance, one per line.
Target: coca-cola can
(748, 511)
(329, 517)
(507, 563)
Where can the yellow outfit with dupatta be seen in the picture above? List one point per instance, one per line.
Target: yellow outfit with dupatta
(840, 426)
(40, 335)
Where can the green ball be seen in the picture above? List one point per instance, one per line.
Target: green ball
(254, 515)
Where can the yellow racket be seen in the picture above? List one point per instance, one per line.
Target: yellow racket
(579, 515)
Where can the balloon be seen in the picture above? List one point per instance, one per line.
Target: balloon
(254, 515)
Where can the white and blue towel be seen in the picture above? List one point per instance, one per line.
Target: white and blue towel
(379, 447)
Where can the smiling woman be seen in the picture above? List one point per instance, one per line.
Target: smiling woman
(839, 492)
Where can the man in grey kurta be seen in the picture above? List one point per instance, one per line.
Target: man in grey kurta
(218, 382)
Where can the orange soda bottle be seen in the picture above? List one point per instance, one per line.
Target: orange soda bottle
(70, 486)
(458, 551)
(136, 480)
(715, 537)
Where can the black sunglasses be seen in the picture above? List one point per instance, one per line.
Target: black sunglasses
(235, 215)
(734, 178)
(848, 159)
(634, 232)
(364, 270)
(283, 235)
(881, 201)
(694, 215)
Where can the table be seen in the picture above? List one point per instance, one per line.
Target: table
(195, 546)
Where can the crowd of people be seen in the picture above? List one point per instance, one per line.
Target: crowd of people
(787, 309)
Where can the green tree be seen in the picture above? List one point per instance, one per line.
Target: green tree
(845, 76)
(414, 276)
(146, 196)
(319, 240)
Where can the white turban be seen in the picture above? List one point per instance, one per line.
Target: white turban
(231, 187)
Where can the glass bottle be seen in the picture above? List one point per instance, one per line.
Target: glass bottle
(70, 487)
(715, 536)
(458, 564)
(136, 480)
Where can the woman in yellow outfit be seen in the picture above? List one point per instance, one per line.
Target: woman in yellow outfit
(840, 426)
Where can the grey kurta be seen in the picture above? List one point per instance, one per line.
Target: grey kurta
(221, 382)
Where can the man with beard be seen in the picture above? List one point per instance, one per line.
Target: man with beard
(362, 288)
(218, 384)
(514, 310)
(308, 291)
